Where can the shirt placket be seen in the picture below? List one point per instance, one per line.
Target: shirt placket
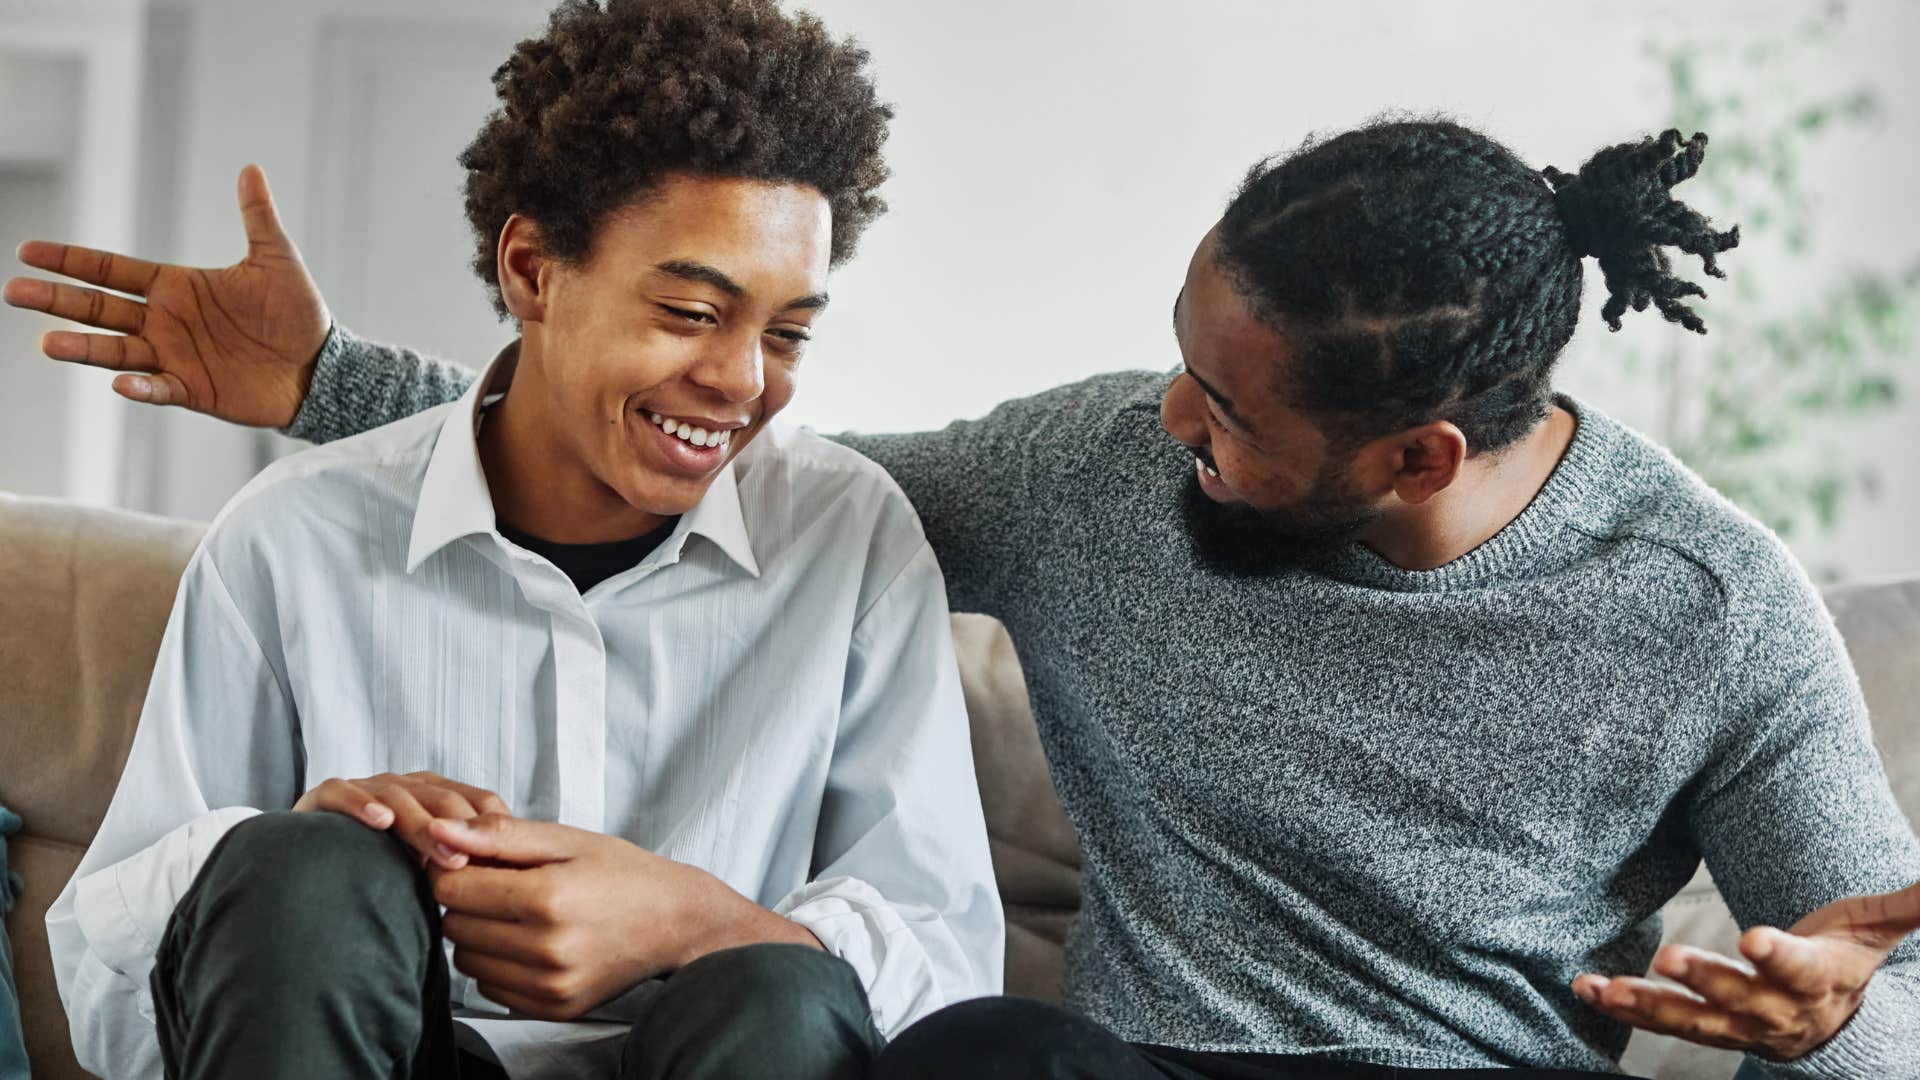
(580, 672)
(580, 692)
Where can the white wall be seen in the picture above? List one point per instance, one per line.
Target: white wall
(1054, 164)
(68, 76)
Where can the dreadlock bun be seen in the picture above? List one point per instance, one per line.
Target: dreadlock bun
(1418, 270)
(1619, 209)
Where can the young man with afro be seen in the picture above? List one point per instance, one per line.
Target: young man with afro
(590, 724)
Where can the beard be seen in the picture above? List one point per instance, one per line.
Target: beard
(1243, 541)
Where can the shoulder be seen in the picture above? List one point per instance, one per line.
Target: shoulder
(1695, 538)
(805, 498)
(792, 479)
(325, 494)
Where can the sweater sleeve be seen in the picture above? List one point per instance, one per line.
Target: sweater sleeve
(1794, 812)
(987, 490)
(359, 385)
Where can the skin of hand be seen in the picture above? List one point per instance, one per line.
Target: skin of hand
(1794, 991)
(552, 921)
(406, 806)
(237, 343)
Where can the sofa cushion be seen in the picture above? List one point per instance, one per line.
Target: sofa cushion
(84, 597)
(87, 595)
(1036, 859)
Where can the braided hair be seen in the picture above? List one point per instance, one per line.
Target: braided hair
(1420, 271)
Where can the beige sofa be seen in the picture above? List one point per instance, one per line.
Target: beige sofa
(84, 596)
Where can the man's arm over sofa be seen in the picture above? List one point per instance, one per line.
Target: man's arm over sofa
(989, 491)
(217, 738)
(359, 385)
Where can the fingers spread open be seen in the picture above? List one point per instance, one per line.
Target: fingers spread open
(121, 273)
(1806, 965)
(157, 388)
(1726, 983)
(109, 351)
(90, 306)
(257, 213)
(1667, 1010)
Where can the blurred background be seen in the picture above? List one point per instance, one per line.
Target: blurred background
(1055, 161)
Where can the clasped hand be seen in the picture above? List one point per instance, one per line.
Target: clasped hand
(549, 920)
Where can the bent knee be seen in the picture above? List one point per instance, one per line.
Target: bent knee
(309, 856)
(761, 1010)
(772, 980)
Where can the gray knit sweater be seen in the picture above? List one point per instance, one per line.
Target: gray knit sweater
(1380, 815)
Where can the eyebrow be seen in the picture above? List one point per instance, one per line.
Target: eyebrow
(1226, 403)
(689, 270)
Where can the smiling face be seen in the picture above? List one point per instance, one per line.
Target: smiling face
(1266, 475)
(647, 367)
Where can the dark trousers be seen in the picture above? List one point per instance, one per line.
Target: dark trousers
(309, 946)
(1018, 1039)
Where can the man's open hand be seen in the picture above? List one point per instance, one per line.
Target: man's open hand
(553, 921)
(1795, 991)
(237, 343)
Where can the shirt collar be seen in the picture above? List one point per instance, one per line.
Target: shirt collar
(455, 502)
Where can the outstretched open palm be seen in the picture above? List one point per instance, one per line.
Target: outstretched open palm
(237, 342)
(1790, 992)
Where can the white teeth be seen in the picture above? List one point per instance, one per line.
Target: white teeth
(687, 433)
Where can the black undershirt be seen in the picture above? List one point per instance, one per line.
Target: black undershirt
(588, 565)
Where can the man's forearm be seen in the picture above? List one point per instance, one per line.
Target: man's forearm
(359, 385)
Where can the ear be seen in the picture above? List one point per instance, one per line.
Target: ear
(524, 271)
(1426, 461)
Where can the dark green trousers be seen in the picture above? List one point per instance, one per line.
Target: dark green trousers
(309, 946)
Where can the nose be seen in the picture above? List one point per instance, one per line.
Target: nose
(736, 370)
(1183, 413)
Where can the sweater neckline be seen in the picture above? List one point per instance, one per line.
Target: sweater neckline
(1539, 538)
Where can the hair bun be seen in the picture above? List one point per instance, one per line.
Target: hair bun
(1619, 209)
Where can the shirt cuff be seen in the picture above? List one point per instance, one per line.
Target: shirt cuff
(855, 923)
(122, 910)
(1878, 1041)
(313, 420)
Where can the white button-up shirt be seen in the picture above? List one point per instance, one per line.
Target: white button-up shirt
(770, 695)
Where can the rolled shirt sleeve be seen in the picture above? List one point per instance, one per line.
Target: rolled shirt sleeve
(904, 889)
